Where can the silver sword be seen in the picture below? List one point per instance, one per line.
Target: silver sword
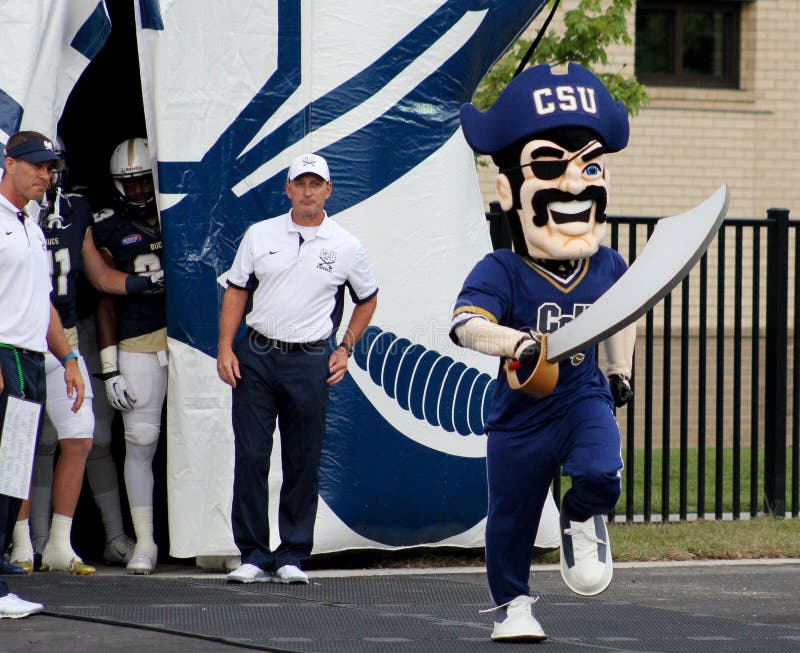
(677, 243)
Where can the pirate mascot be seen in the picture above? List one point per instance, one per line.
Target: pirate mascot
(548, 134)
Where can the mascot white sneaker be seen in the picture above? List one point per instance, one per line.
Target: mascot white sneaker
(586, 564)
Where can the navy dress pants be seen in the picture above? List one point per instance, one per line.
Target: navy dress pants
(34, 382)
(289, 387)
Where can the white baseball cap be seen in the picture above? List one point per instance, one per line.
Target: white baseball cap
(309, 164)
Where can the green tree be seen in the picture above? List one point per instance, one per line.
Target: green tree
(589, 30)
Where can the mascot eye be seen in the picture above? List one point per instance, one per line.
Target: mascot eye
(593, 170)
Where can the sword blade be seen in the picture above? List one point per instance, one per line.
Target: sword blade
(677, 243)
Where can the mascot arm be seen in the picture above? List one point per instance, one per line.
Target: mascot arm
(619, 356)
(484, 336)
(619, 351)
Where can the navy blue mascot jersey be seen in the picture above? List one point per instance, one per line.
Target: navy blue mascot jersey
(516, 292)
(133, 238)
(65, 231)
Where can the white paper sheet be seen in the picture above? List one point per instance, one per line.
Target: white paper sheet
(17, 446)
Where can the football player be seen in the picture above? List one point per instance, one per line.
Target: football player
(132, 334)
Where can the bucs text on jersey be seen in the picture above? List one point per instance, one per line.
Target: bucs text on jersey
(516, 292)
(133, 238)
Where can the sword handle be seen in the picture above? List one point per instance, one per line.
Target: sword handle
(541, 381)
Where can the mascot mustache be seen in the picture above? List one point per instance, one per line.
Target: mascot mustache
(541, 199)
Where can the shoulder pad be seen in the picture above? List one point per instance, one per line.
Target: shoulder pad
(102, 214)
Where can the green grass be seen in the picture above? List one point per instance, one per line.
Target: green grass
(693, 482)
(693, 479)
(764, 537)
(703, 539)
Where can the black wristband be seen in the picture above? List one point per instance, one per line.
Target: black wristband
(347, 347)
(134, 284)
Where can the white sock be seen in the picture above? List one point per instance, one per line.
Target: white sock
(60, 531)
(21, 538)
(142, 518)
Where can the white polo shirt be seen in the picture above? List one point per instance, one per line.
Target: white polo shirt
(24, 281)
(300, 283)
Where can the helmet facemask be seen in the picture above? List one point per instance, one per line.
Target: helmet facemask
(132, 172)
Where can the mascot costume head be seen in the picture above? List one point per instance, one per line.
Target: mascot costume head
(547, 133)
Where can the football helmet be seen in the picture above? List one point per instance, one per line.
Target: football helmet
(59, 176)
(132, 172)
(50, 207)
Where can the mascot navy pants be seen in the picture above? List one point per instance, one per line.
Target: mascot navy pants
(585, 441)
(290, 387)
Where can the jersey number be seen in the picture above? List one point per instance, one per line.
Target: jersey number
(146, 263)
(60, 257)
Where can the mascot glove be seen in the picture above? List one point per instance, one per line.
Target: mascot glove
(528, 348)
(620, 389)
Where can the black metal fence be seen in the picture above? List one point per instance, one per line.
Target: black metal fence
(713, 427)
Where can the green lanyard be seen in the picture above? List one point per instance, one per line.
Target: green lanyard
(19, 367)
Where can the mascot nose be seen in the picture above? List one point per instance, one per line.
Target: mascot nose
(572, 182)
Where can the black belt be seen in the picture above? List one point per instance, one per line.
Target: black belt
(263, 344)
(22, 350)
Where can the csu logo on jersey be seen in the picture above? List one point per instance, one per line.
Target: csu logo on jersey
(551, 317)
(131, 239)
(326, 260)
(564, 98)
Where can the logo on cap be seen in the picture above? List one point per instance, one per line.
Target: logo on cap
(567, 98)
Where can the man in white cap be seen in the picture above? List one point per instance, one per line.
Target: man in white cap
(295, 268)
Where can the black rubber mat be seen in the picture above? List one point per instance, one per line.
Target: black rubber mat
(402, 614)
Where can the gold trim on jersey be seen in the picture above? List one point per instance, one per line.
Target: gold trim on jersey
(563, 285)
(477, 310)
(147, 343)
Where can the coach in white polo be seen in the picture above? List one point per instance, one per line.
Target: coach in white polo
(295, 267)
(29, 324)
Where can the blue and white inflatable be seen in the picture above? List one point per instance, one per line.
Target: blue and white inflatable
(232, 92)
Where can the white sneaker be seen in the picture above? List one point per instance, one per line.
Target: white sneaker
(248, 573)
(586, 564)
(290, 574)
(143, 560)
(13, 607)
(119, 550)
(520, 623)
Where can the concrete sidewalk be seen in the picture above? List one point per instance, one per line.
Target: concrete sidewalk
(742, 606)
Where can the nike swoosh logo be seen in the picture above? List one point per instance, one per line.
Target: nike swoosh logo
(8, 233)
(274, 252)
